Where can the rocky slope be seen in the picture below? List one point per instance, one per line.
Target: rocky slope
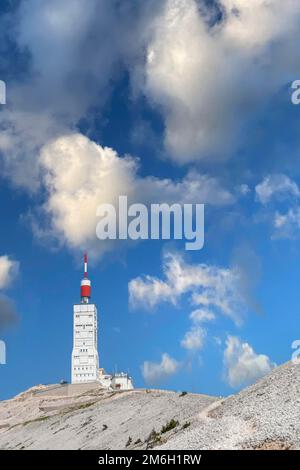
(96, 419)
(263, 416)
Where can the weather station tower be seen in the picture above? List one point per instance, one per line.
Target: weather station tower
(85, 359)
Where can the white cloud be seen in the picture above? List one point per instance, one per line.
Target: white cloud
(59, 87)
(155, 372)
(149, 291)
(22, 135)
(285, 192)
(92, 41)
(243, 365)
(95, 40)
(38, 127)
(243, 189)
(194, 338)
(79, 175)
(208, 75)
(276, 186)
(210, 287)
(9, 269)
(202, 315)
(287, 225)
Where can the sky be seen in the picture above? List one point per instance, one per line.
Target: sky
(165, 101)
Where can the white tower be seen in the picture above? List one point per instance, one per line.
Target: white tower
(85, 360)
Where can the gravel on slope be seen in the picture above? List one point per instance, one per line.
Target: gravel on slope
(94, 420)
(265, 415)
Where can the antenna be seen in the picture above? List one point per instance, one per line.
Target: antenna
(85, 265)
(85, 289)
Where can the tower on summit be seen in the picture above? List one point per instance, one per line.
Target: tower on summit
(85, 359)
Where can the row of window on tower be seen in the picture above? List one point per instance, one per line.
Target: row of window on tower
(83, 368)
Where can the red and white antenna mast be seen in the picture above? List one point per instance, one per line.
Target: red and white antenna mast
(85, 289)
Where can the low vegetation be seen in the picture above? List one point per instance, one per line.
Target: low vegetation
(186, 425)
(129, 441)
(169, 426)
(153, 438)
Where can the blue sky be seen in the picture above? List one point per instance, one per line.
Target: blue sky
(173, 101)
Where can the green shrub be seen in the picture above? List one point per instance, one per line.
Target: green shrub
(153, 438)
(170, 425)
(186, 425)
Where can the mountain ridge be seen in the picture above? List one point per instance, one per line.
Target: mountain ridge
(265, 415)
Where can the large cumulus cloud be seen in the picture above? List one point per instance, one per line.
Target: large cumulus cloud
(79, 175)
(209, 74)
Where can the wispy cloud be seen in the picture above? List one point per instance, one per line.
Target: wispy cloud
(202, 315)
(212, 288)
(280, 196)
(276, 186)
(194, 338)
